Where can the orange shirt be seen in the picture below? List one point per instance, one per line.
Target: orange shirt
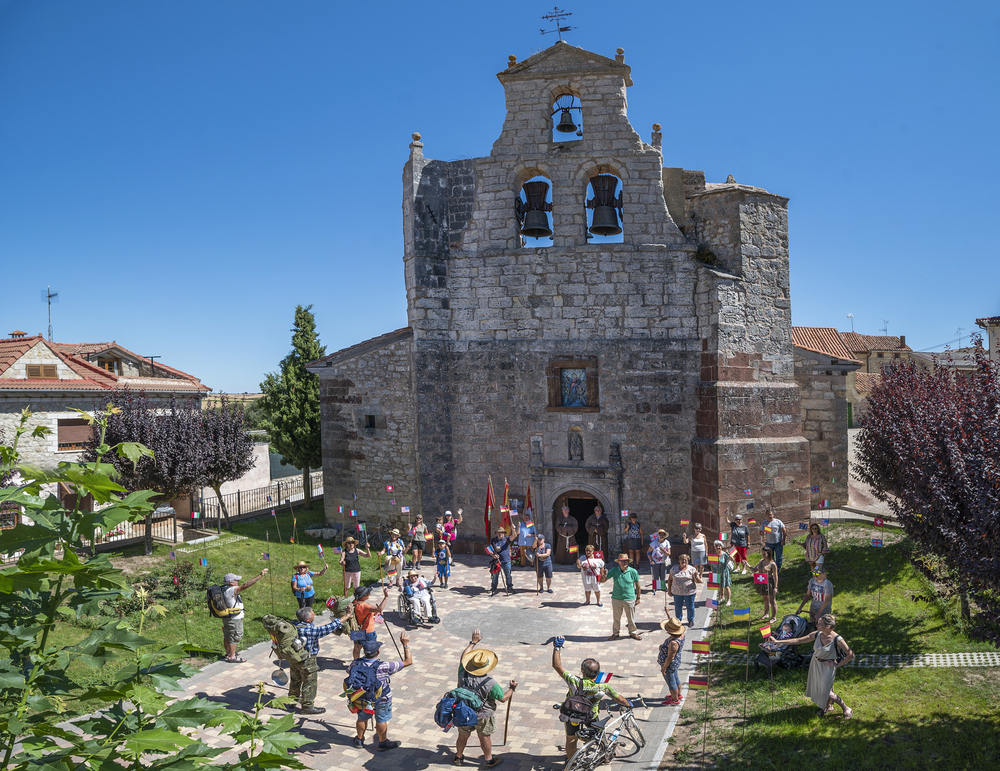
(365, 615)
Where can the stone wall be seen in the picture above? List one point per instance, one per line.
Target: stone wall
(369, 433)
(824, 424)
(40, 353)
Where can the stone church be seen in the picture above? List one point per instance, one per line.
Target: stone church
(581, 318)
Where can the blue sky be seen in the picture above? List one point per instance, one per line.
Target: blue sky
(185, 173)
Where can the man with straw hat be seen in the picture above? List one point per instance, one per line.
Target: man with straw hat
(418, 594)
(625, 596)
(302, 583)
(585, 687)
(472, 674)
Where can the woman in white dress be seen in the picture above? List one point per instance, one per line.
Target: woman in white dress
(824, 664)
(591, 571)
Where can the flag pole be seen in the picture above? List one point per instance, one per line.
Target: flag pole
(187, 637)
(746, 682)
(270, 573)
(276, 525)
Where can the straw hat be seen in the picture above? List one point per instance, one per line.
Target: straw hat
(479, 662)
(622, 557)
(412, 573)
(672, 626)
(395, 531)
(502, 530)
(301, 564)
(349, 540)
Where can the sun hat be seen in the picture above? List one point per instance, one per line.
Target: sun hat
(301, 564)
(361, 592)
(349, 540)
(479, 662)
(622, 557)
(412, 573)
(502, 530)
(230, 577)
(395, 531)
(672, 626)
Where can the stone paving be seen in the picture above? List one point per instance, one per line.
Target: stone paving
(517, 628)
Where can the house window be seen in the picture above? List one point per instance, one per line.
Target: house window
(880, 355)
(74, 434)
(10, 515)
(573, 385)
(41, 372)
(114, 366)
(369, 421)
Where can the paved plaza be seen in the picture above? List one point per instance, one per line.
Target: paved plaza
(518, 629)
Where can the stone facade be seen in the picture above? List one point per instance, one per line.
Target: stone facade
(682, 331)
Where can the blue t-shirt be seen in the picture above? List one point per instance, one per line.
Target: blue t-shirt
(547, 559)
(501, 548)
(442, 557)
(305, 584)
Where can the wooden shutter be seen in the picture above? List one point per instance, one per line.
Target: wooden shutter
(74, 433)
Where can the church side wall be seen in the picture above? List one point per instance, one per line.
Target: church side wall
(369, 436)
(824, 424)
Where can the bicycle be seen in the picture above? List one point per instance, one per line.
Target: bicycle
(605, 743)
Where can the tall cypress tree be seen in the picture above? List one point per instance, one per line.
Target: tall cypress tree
(291, 400)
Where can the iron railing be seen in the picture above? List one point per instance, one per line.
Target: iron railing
(244, 504)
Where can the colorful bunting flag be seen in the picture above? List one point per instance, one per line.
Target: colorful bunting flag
(713, 558)
(760, 578)
(768, 529)
(624, 513)
(392, 502)
(877, 542)
(748, 491)
(803, 526)
(266, 556)
(354, 512)
(173, 556)
(195, 515)
(700, 646)
(388, 488)
(319, 547)
(824, 504)
(603, 677)
(732, 552)
(337, 550)
(177, 581)
(723, 536)
(879, 522)
(711, 604)
(340, 509)
(685, 522)
(269, 499)
(740, 645)
(528, 523)
(713, 585)
(272, 510)
(697, 683)
(765, 631)
(361, 527)
(749, 505)
(660, 583)
(489, 550)
(428, 536)
(204, 562)
(815, 488)
(741, 611)
(405, 509)
(574, 549)
(824, 522)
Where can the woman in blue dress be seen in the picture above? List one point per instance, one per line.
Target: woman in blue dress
(302, 583)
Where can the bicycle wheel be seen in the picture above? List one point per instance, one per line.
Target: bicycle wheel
(632, 729)
(587, 758)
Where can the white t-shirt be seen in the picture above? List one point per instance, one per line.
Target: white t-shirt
(233, 600)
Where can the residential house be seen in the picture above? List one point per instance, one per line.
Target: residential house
(991, 325)
(52, 379)
(877, 354)
(822, 368)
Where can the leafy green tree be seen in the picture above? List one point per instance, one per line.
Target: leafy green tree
(291, 400)
(136, 725)
(229, 448)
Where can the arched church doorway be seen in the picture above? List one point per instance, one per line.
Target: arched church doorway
(581, 506)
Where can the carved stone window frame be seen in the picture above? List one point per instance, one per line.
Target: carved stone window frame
(553, 376)
(363, 416)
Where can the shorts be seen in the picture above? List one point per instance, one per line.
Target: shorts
(232, 630)
(633, 544)
(383, 713)
(444, 571)
(415, 545)
(544, 569)
(353, 579)
(572, 728)
(484, 727)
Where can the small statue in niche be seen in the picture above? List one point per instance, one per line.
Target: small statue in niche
(575, 445)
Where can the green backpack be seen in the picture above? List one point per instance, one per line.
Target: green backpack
(285, 639)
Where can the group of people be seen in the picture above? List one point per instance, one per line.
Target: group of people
(679, 579)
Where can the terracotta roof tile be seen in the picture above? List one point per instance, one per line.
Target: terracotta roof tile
(864, 382)
(989, 321)
(858, 343)
(825, 340)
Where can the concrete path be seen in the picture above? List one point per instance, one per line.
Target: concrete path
(517, 628)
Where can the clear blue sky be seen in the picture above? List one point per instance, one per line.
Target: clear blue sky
(185, 173)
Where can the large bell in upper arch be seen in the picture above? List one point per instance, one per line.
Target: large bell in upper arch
(566, 124)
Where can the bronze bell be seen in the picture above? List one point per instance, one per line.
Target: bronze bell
(605, 221)
(536, 225)
(604, 203)
(566, 124)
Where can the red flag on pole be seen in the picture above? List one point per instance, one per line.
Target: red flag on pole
(528, 513)
(505, 509)
(489, 508)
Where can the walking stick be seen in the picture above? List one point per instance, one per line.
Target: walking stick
(270, 575)
(187, 637)
(506, 721)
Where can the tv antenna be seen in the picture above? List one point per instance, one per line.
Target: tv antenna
(48, 295)
(556, 16)
(885, 328)
(959, 332)
(851, 317)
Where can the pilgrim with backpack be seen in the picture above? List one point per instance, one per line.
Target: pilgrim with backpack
(369, 691)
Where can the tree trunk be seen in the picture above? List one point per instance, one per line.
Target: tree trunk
(148, 538)
(222, 505)
(963, 597)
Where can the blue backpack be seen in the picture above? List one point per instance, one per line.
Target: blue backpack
(451, 711)
(362, 686)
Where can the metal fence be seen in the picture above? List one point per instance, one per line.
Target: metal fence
(244, 504)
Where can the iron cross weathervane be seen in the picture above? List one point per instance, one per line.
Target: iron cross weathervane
(557, 16)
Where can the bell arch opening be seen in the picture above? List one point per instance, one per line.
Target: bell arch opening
(604, 209)
(533, 208)
(567, 119)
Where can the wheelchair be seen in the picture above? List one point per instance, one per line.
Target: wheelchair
(412, 617)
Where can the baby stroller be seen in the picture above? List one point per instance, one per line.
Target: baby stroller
(773, 653)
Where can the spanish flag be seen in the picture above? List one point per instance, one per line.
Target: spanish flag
(700, 646)
(739, 645)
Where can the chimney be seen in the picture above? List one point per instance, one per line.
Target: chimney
(16, 334)
(902, 341)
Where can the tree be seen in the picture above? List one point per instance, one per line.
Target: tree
(931, 449)
(174, 433)
(229, 448)
(291, 400)
(130, 723)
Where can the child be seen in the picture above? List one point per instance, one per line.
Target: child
(443, 558)
(784, 634)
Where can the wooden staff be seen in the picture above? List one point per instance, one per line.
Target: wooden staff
(506, 721)
(270, 573)
(386, 623)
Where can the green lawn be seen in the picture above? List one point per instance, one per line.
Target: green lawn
(187, 616)
(904, 718)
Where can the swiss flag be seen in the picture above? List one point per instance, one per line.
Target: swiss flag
(878, 522)
(760, 578)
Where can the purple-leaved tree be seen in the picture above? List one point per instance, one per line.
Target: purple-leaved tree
(931, 449)
(229, 448)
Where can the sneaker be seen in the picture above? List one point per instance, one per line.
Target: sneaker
(358, 742)
(435, 620)
(384, 746)
(493, 762)
(458, 760)
(549, 591)
(728, 602)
